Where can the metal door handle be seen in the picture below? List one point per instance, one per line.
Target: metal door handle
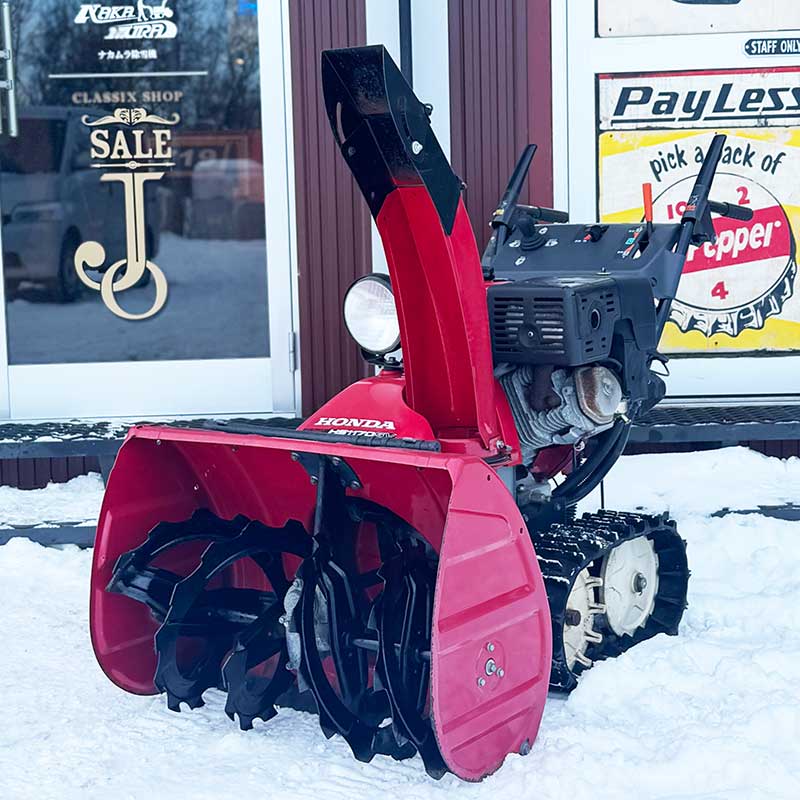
(8, 84)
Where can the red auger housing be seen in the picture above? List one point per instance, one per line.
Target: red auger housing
(402, 564)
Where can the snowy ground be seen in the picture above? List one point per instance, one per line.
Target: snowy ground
(713, 714)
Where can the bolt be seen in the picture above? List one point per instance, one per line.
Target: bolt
(501, 672)
(491, 667)
(336, 461)
(501, 445)
(481, 682)
(295, 456)
(158, 441)
(282, 620)
(639, 583)
(355, 485)
(351, 151)
(416, 147)
(572, 617)
(196, 488)
(314, 480)
(525, 747)
(490, 647)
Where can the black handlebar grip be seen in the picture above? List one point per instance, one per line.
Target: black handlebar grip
(731, 210)
(545, 214)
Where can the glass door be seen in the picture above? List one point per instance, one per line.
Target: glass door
(136, 201)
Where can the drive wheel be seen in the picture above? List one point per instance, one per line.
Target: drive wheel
(630, 585)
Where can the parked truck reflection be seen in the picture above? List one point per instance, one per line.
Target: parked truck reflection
(52, 201)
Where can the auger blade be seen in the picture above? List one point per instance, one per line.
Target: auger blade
(211, 620)
(403, 619)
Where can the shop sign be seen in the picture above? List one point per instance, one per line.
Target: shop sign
(740, 293)
(134, 157)
(660, 17)
(139, 21)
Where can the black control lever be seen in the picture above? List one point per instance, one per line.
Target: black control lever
(541, 214)
(501, 221)
(731, 210)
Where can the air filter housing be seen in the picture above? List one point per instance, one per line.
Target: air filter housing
(564, 321)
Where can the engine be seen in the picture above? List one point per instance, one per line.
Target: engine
(572, 354)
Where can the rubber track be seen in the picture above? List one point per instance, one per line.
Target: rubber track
(564, 550)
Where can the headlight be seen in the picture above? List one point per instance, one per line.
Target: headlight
(370, 315)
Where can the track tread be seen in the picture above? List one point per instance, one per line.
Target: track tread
(565, 549)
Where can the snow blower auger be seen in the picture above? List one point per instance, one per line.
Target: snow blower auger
(407, 563)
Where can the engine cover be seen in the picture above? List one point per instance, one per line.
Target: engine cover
(564, 321)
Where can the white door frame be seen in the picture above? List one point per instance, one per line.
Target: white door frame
(182, 388)
(578, 56)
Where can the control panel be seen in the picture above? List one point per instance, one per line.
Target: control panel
(545, 250)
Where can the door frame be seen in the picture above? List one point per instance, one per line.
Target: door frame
(578, 57)
(253, 386)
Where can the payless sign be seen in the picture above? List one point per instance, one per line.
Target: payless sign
(738, 294)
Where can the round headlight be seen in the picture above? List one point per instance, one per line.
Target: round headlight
(370, 315)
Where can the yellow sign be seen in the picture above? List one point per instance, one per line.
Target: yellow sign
(741, 293)
(118, 144)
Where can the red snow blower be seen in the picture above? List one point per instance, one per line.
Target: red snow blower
(407, 564)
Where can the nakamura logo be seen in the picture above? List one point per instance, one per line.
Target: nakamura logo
(139, 21)
(355, 422)
(743, 98)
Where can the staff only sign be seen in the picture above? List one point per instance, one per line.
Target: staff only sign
(740, 294)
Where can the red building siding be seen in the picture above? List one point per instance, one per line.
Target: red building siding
(333, 231)
(500, 99)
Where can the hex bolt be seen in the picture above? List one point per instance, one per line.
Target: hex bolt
(158, 441)
(196, 488)
(490, 647)
(572, 617)
(501, 445)
(336, 461)
(481, 682)
(500, 672)
(314, 480)
(525, 747)
(491, 667)
(355, 485)
(639, 583)
(295, 456)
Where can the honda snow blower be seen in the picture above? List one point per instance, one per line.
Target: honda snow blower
(407, 563)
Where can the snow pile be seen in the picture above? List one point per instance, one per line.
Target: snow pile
(77, 501)
(713, 714)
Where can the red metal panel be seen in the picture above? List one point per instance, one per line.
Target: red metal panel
(500, 99)
(333, 233)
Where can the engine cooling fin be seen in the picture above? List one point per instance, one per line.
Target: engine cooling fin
(564, 551)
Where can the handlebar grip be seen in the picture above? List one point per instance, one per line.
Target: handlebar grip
(731, 210)
(541, 214)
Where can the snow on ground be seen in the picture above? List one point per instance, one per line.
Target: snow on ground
(713, 714)
(77, 501)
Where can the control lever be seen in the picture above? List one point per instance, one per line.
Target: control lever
(731, 210)
(542, 214)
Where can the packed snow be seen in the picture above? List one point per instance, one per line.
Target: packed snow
(713, 714)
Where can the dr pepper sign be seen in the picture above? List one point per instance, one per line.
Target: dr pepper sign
(740, 294)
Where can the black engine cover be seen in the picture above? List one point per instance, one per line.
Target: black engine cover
(566, 321)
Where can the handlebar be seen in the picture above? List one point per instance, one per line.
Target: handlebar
(541, 214)
(731, 210)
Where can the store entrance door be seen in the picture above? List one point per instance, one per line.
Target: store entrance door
(136, 204)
